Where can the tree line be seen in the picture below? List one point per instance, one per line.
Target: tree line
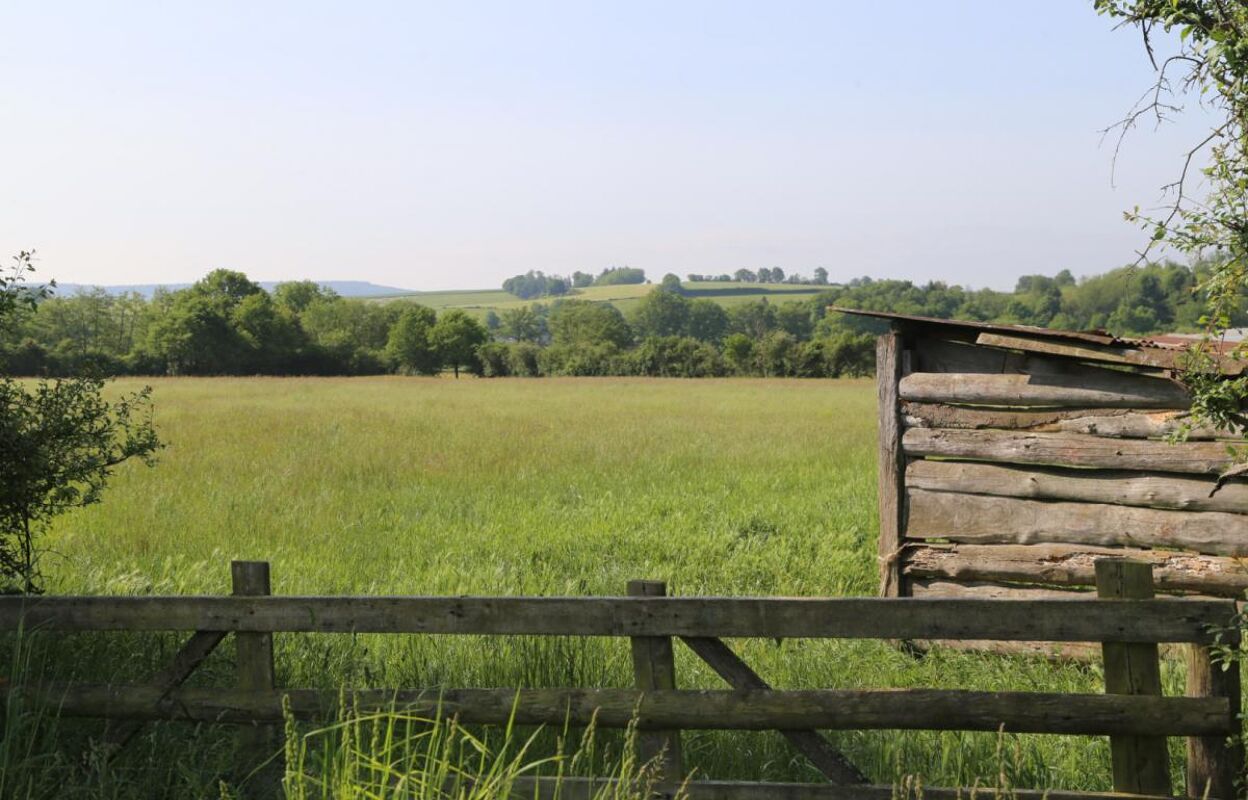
(228, 324)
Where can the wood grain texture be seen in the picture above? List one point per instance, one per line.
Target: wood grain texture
(982, 519)
(890, 463)
(254, 651)
(824, 709)
(654, 668)
(1214, 763)
(789, 618)
(1112, 389)
(1118, 487)
(1141, 764)
(1071, 565)
(1067, 450)
(1114, 423)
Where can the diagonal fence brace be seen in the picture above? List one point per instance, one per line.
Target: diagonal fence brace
(826, 758)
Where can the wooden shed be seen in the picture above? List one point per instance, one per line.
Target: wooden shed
(1012, 457)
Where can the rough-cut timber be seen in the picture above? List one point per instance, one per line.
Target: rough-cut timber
(654, 668)
(828, 709)
(1214, 762)
(1112, 423)
(788, 618)
(254, 665)
(1068, 449)
(1113, 389)
(1176, 492)
(888, 370)
(978, 518)
(1141, 764)
(1069, 565)
(985, 590)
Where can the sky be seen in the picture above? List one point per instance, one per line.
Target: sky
(450, 145)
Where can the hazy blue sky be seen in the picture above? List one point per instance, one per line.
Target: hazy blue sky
(436, 145)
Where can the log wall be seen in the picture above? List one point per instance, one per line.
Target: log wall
(1020, 463)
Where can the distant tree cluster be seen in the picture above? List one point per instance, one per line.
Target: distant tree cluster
(765, 275)
(533, 284)
(536, 284)
(226, 324)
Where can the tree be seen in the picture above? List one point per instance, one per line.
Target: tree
(61, 442)
(745, 276)
(580, 280)
(821, 276)
(296, 296)
(410, 346)
(671, 283)
(455, 338)
(492, 321)
(764, 275)
(522, 325)
(777, 275)
(708, 321)
(1211, 65)
(661, 313)
(580, 322)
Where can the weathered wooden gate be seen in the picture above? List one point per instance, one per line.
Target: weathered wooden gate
(1011, 458)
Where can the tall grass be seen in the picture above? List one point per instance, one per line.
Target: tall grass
(539, 487)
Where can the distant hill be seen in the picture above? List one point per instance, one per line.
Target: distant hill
(344, 288)
(623, 296)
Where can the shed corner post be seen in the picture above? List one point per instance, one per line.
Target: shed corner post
(891, 472)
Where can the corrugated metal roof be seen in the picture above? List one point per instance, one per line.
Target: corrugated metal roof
(1102, 338)
(1165, 352)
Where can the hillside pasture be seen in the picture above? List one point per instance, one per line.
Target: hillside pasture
(622, 296)
(540, 487)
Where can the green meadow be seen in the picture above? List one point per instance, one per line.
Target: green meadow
(544, 486)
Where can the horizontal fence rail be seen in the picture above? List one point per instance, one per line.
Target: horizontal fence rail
(827, 709)
(790, 618)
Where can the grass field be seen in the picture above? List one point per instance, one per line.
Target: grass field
(623, 297)
(547, 486)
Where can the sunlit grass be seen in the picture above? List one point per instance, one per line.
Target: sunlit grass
(538, 487)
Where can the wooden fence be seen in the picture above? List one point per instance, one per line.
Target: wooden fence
(1132, 712)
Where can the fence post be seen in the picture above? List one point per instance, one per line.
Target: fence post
(1214, 762)
(1141, 764)
(257, 742)
(654, 667)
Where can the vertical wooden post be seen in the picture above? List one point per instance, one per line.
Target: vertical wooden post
(1214, 762)
(888, 367)
(654, 667)
(257, 743)
(1141, 764)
